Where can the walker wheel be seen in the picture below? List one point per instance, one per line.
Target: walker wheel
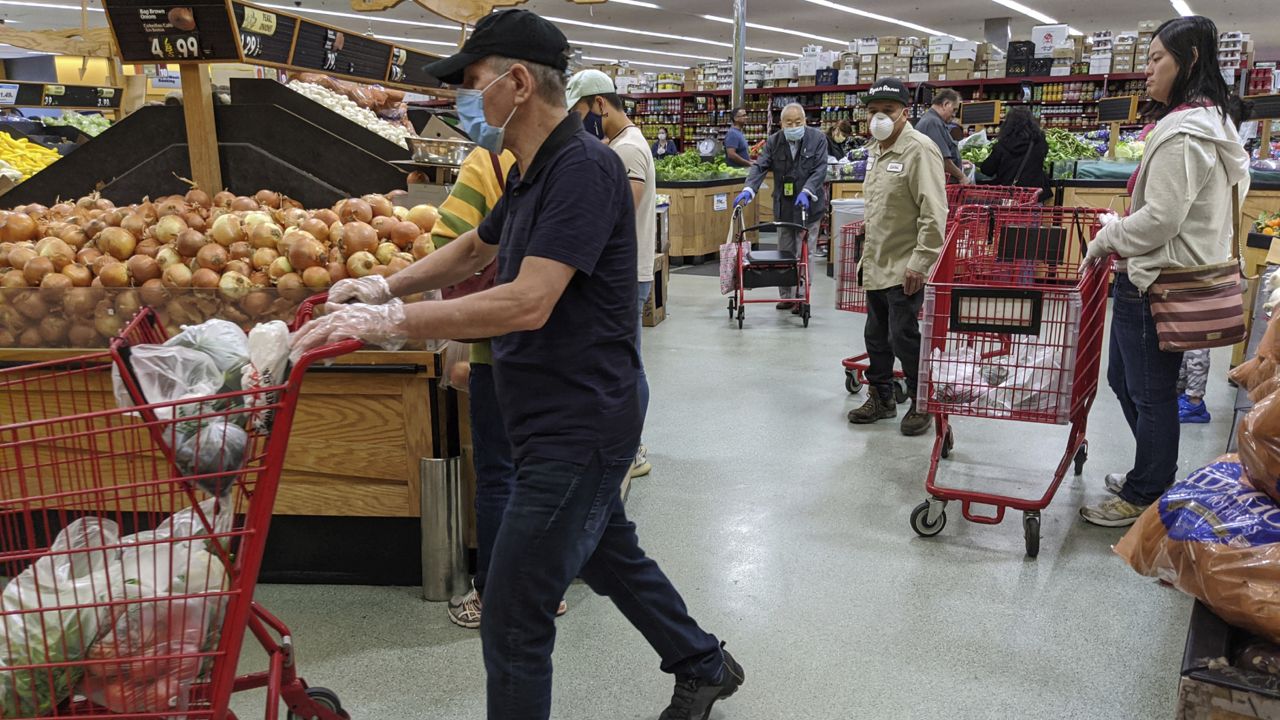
(851, 382)
(920, 520)
(1031, 531)
(804, 314)
(324, 699)
(742, 313)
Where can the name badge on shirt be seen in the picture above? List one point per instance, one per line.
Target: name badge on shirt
(894, 167)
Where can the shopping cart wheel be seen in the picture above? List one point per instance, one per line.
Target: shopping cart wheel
(1031, 530)
(742, 313)
(900, 394)
(733, 305)
(325, 698)
(804, 314)
(851, 382)
(1082, 456)
(920, 520)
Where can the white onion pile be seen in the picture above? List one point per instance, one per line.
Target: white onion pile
(353, 112)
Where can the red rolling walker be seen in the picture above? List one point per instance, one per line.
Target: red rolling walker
(1013, 331)
(69, 456)
(771, 268)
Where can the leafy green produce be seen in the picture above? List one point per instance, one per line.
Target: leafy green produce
(1126, 150)
(975, 153)
(1065, 145)
(689, 167)
(91, 124)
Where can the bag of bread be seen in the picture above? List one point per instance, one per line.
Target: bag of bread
(1259, 435)
(1216, 538)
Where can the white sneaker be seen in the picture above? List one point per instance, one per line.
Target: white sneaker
(465, 611)
(641, 466)
(1115, 482)
(1112, 512)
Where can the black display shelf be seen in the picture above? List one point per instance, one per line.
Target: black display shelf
(261, 146)
(255, 91)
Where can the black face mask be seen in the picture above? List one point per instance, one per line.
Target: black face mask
(594, 124)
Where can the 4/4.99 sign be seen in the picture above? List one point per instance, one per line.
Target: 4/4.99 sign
(191, 31)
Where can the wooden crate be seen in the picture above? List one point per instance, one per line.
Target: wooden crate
(700, 215)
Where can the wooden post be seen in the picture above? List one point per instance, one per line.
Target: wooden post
(202, 134)
(462, 35)
(1264, 135)
(1113, 138)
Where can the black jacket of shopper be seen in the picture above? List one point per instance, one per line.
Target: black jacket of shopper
(1008, 155)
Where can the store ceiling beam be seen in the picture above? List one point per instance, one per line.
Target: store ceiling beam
(96, 42)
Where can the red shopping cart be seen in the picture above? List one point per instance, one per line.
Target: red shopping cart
(990, 195)
(1012, 331)
(133, 538)
(851, 297)
(770, 268)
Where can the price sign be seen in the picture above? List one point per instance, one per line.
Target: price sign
(8, 94)
(1265, 107)
(1121, 109)
(980, 113)
(266, 38)
(325, 49)
(409, 67)
(184, 31)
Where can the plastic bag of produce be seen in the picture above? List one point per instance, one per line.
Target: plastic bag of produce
(1260, 445)
(81, 568)
(214, 445)
(1031, 383)
(146, 659)
(956, 375)
(268, 364)
(166, 373)
(223, 341)
(1217, 538)
(457, 366)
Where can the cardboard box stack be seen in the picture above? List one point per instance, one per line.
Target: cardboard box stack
(1146, 32)
(1048, 37)
(1123, 47)
(1017, 59)
(939, 51)
(1234, 51)
(1100, 57)
(963, 59)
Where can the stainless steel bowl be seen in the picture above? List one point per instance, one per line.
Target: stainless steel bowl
(440, 151)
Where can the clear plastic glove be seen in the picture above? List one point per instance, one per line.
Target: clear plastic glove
(744, 198)
(370, 290)
(1108, 218)
(381, 325)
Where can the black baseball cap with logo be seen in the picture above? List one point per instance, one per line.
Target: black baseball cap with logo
(515, 34)
(888, 89)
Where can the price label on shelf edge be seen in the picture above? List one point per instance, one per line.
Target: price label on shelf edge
(176, 47)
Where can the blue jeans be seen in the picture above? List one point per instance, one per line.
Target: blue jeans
(566, 520)
(642, 384)
(495, 470)
(1145, 379)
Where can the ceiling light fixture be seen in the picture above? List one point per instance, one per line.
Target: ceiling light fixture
(637, 3)
(1182, 8)
(642, 50)
(1029, 12)
(365, 17)
(648, 33)
(882, 18)
(634, 62)
(771, 28)
(51, 6)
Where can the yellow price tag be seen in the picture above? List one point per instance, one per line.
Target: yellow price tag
(258, 21)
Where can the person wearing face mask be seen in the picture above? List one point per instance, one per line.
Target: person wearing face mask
(566, 367)
(797, 156)
(665, 145)
(906, 213)
(840, 139)
(935, 122)
(592, 92)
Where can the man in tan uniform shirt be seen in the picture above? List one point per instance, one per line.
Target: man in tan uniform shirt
(906, 210)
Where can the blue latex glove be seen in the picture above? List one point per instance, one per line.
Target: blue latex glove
(744, 198)
(802, 201)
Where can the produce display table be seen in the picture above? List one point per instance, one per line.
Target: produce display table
(845, 189)
(701, 212)
(348, 506)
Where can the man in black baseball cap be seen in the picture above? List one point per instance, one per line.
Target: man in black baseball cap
(566, 366)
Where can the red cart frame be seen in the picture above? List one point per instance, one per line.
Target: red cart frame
(738, 300)
(1012, 330)
(990, 195)
(71, 462)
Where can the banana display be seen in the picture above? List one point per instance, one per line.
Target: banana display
(25, 156)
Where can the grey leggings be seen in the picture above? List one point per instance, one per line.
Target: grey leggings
(1194, 376)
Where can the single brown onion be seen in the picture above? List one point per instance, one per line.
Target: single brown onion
(328, 217)
(263, 257)
(20, 256)
(223, 199)
(424, 216)
(256, 302)
(88, 202)
(385, 252)
(143, 268)
(381, 206)
(306, 253)
(117, 242)
(17, 227)
(355, 210)
(382, 224)
(199, 198)
(287, 202)
(148, 247)
(382, 270)
(337, 271)
(291, 287)
(260, 279)
(279, 268)
(153, 293)
(403, 234)
(59, 252)
(238, 266)
(53, 287)
(30, 338)
(316, 278)
(190, 242)
(205, 279)
(112, 218)
(30, 306)
(195, 221)
(79, 275)
(167, 228)
(104, 204)
(92, 228)
(146, 210)
(361, 264)
(417, 177)
(265, 235)
(396, 193)
(12, 279)
(87, 255)
(244, 204)
(172, 205)
(128, 303)
(292, 217)
(240, 250)
(82, 335)
(227, 230)
(177, 276)
(397, 264)
(79, 302)
(135, 223)
(358, 237)
(61, 210)
(53, 330)
(213, 257)
(36, 268)
(317, 228)
(268, 198)
(423, 247)
(114, 275)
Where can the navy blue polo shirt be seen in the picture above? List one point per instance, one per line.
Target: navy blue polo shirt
(570, 388)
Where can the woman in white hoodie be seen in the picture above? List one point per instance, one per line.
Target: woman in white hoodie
(1182, 217)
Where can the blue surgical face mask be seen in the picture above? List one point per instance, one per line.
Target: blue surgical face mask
(793, 134)
(471, 117)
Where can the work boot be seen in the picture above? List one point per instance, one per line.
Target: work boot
(693, 697)
(879, 406)
(915, 422)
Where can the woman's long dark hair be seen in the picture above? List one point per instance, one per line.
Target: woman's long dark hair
(1193, 43)
(1020, 123)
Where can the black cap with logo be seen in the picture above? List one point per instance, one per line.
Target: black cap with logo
(888, 89)
(515, 34)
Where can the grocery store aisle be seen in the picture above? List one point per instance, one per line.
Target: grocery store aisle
(786, 530)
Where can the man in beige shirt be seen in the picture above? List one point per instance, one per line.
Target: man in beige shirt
(906, 198)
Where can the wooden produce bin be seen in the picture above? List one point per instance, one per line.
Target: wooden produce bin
(1095, 194)
(348, 506)
(845, 189)
(701, 213)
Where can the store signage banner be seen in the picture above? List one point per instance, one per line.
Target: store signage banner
(8, 94)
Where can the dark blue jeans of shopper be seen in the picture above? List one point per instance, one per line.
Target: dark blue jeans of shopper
(642, 384)
(1145, 379)
(566, 520)
(495, 470)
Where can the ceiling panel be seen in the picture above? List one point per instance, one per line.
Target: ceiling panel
(684, 18)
